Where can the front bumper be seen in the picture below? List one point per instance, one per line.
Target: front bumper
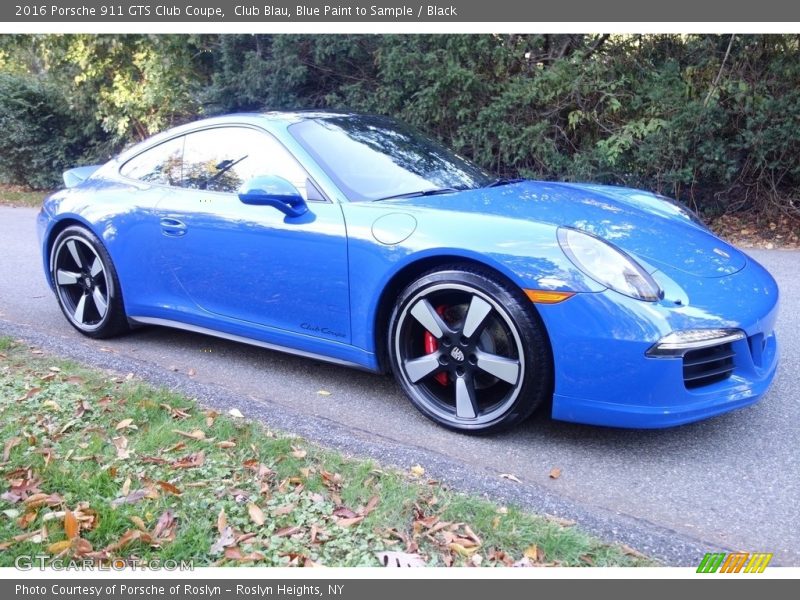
(603, 376)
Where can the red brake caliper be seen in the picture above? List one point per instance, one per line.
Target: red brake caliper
(431, 346)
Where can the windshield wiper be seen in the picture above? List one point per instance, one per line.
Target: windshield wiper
(430, 192)
(503, 181)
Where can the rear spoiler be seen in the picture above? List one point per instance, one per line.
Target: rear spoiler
(78, 175)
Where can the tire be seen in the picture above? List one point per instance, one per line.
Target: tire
(469, 350)
(86, 284)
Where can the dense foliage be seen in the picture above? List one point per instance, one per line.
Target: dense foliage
(713, 120)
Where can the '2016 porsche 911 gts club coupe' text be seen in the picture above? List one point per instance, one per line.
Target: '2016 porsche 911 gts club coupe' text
(353, 239)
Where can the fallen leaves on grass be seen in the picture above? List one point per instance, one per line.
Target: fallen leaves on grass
(71, 525)
(400, 559)
(256, 514)
(196, 434)
(121, 444)
(22, 484)
(169, 487)
(136, 496)
(175, 413)
(9, 446)
(225, 540)
(190, 461)
(125, 424)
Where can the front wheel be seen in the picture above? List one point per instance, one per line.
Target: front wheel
(469, 351)
(86, 284)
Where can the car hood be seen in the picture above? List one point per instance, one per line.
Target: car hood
(642, 224)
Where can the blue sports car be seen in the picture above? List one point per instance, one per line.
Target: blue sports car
(353, 239)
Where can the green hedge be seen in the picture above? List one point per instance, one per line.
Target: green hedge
(711, 119)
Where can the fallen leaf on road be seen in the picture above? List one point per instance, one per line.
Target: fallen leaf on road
(555, 473)
(561, 521)
(417, 471)
(236, 413)
(323, 393)
(510, 477)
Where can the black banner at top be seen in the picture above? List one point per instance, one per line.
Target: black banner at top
(404, 11)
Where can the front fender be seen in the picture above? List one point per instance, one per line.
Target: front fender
(525, 252)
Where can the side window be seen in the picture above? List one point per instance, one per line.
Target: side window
(223, 158)
(161, 164)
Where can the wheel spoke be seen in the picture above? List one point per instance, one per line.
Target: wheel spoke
(99, 302)
(466, 407)
(80, 309)
(501, 367)
(76, 255)
(426, 315)
(64, 277)
(417, 368)
(97, 267)
(476, 313)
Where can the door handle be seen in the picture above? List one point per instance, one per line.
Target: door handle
(173, 227)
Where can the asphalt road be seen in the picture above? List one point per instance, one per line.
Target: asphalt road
(730, 483)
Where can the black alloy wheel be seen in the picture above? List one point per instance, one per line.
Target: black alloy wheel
(86, 284)
(469, 350)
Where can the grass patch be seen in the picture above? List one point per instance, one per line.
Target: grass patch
(103, 467)
(11, 195)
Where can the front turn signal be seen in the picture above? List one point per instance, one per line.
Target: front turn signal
(547, 296)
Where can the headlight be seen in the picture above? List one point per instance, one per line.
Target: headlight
(608, 265)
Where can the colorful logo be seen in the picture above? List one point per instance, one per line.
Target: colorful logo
(735, 562)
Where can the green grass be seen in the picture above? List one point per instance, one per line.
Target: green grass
(62, 430)
(17, 196)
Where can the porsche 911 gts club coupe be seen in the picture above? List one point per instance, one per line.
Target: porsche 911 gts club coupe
(353, 239)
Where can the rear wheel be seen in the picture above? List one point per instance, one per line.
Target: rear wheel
(469, 351)
(86, 284)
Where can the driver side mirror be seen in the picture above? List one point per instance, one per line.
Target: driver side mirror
(274, 191)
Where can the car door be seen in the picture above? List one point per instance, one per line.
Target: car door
(248, 263)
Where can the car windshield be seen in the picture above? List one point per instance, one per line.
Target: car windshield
(376, 158)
